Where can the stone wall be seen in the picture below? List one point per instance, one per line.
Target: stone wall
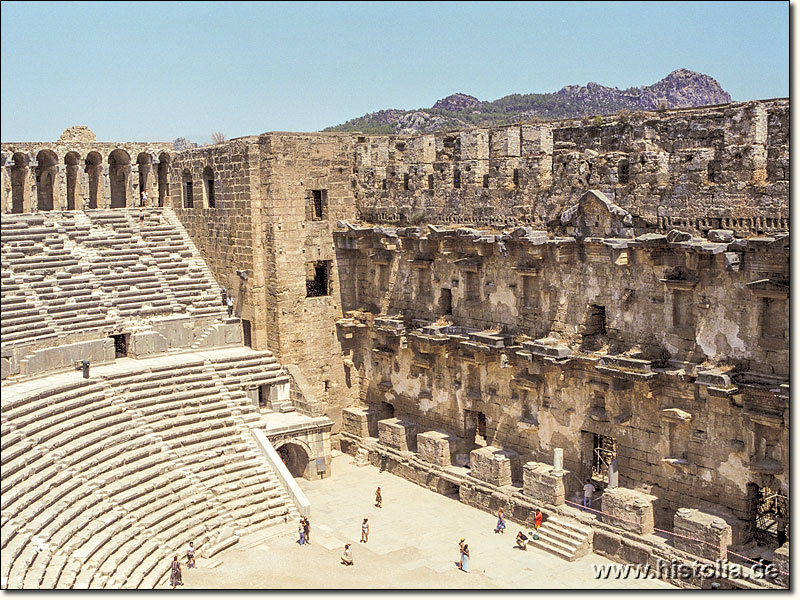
(77, 172)
(675, 347)
(697, 169)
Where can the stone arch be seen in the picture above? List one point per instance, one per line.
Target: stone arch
(144, 162)
(295, 455)
(94, 169)
(19, 186)
(208, 187)
(163, 182)
(72, 162)
(46, 172)
(119, 172)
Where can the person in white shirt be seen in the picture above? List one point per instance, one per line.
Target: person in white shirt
(190, 555)
(588, 490)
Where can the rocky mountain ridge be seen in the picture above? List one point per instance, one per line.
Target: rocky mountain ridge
(680, 89)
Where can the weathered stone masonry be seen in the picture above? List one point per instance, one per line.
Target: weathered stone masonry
(629, 281)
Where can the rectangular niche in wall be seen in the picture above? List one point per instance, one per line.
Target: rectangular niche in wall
(317, 278)
(317, 205)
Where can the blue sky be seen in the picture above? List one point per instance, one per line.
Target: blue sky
(155, 71)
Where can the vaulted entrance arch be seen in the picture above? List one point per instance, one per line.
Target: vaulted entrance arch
(295, 457)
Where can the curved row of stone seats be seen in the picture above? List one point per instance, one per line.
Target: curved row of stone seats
(104, 479)
(259, 368)
(66, 273)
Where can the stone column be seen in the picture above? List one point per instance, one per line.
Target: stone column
(30, 178)
(133, 193)
(104, 189)
(60, 188)
(82, 200)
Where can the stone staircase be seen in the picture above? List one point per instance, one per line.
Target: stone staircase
(565, 538)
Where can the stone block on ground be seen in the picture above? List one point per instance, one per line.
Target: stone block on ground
(701, 533)
(543, 484)
(438, 447)
(628, 509)
(356, 421)
(398, 434)
(495, 465)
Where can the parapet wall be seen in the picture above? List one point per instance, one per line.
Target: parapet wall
(695, 169)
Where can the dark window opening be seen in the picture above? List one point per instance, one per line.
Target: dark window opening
(405, 181)
(486, 181)
(714, 168)
(516, 177)
(430, 182)
(246, 333)
(446, 302)
(318, 205)
(383, 184)
(475, 427)
(456, 178)
(212, 203)
(604, 450)
(770, 515)
(188, 200)
(262, 396)
(317, 283)
(120, 345)
(624, 173)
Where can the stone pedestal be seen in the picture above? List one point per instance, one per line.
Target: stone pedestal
(437, 447)
(495, 465)
(628, 509)
(398, 434)
(711, 535)
(543, 483)
(356, 421)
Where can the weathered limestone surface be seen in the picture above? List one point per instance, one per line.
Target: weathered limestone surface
(356, 421)
(701, 533)
(398, 434)
(497, 466)
(438, 447)
(628, 509)
(542, 484)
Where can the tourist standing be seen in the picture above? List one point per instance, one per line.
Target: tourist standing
(230, 305)
(364, 531)
(347, 556)
(501, 522)
(143, 201)
(307, 529)
(588, 490)
(175, 576)
(378, 497)
(302, 532)
(460, 552)
(465, 558)
(190, 556)
(537, 519)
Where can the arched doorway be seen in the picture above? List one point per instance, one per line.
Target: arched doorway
(93, 170)
(46, 171)
(71, 160)
(145, 163)
(119, 171)
(295, 457)
(19, 174)
(163, 184)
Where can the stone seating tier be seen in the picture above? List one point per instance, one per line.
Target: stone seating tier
(70, 265)
(103, 479)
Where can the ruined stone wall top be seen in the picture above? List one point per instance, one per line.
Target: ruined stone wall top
(78, 133)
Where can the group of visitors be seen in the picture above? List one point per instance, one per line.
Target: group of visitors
(176, 575)
(304, 529)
